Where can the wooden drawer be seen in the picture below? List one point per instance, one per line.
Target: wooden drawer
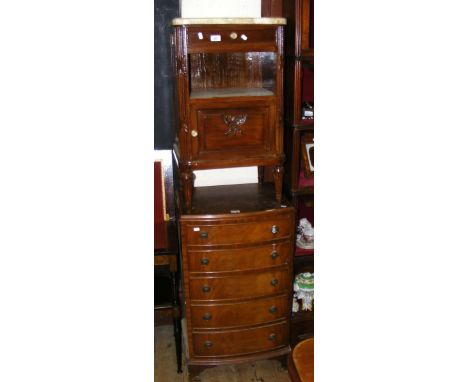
(241, 285)
(232, 130)
(252, 312)
(239, 259)
(239, 233)
(237, 342)
(218, 38)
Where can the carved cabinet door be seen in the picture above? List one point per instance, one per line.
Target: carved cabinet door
(234, 130)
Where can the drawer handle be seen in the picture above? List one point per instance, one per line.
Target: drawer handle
(274, 255)
(204, 261)
(274, 229)
(206, 289)
(234, 123)
(204, 235)
(207, 316)
(272, 337)
(274, 282)
(208, 344)
(194, 133)
(273, 309)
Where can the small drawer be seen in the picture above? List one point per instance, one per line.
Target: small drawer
(237, 342)
(241, 285)
(239, 233)
(239, 259)
(233, 37)
(240, 314)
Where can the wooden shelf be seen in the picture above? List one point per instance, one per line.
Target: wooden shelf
(230, 92)
(304, 191)
(302, 315)
(304, 123)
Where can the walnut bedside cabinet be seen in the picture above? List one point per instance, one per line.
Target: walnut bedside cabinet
(229, 90)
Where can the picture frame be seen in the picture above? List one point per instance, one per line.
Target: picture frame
(307, 150)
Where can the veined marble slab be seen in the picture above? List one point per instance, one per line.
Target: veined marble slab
(230, 92)
(236, 20)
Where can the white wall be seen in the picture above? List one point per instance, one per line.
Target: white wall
(220, 8)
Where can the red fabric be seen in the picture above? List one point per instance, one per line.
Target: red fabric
(160, 235)
(305, 182)
(159, 226)
(308, 85)
(158, 193)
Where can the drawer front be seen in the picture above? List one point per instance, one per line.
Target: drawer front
(228, 343)
(236, 130)
(231, 38)
(239, 233)
(240, 285)
(240, 259)
(240, 314)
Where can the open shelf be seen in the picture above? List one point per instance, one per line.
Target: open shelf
(304, 252)
(304, 123)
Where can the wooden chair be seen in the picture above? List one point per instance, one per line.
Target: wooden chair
(301, 362)
(166, 243)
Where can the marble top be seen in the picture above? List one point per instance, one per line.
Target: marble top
(236, 20)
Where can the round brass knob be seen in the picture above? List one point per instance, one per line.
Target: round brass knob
(207, 316)
(233, 35)
(273, 309)
(206, 288)
(274, 229)
(272, 337)
(274, 282)
(274, 255)
(204, 261)
(194, 133)
(208, 344)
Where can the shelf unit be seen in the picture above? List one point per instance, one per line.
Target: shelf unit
(299, 73)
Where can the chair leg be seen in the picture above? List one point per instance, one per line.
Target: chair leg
(176, 320)
(178, 342)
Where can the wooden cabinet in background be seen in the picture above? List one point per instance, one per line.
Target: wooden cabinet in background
(299, 130)
(229, 85)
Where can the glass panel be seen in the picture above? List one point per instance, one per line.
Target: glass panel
(239, 74)
(307, 102)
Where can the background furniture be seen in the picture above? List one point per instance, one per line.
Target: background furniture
(301, 362)
(229, 82)
(166, 247)
(300, 89)
(237, 253)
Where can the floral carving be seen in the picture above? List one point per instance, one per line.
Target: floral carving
(234, 122)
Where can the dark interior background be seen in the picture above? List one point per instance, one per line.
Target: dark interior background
(164, 12)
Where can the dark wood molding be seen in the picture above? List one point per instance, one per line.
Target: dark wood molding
(272, 8)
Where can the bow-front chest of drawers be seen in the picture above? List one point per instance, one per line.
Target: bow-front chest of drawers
(237, 284)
